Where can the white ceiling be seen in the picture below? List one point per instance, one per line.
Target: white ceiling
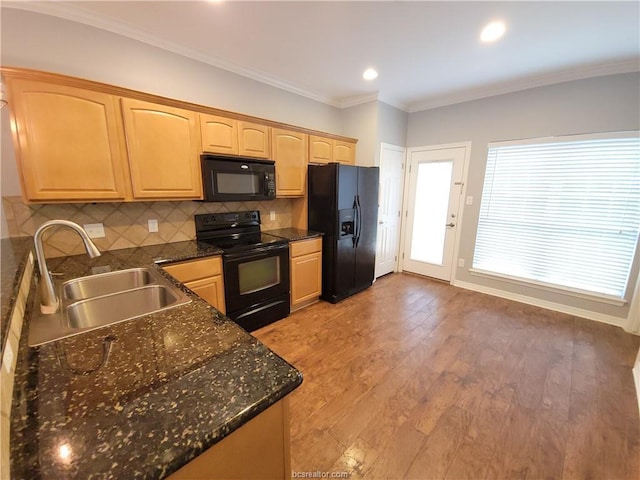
(427, 53)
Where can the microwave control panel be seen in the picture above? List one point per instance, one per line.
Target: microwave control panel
(271, 184)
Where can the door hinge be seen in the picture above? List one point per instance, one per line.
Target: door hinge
(403, 255)
(406, 214)
(395, 258)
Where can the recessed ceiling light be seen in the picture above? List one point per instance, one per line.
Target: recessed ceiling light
(493, 31)
(369, 74)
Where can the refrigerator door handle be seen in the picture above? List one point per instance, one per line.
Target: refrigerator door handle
(359, 221)
(356, 222)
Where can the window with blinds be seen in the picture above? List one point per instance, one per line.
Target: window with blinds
(562, 212)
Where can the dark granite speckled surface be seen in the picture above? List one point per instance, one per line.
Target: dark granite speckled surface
(175, 382)
(293, 234)
(13, 257)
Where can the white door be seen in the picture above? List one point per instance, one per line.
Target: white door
(389, 208)
(435, 186)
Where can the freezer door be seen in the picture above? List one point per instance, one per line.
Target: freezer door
(367, 229)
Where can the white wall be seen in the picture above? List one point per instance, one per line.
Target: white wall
(41, 42)
(373, 123)
(392, 127)
(361, 122)
(601, 104)
(52, 44)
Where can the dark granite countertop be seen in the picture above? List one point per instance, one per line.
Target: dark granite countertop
(13, 257)
(293, 234)
(174, 383)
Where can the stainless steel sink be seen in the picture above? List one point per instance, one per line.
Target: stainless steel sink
(106, 283)
(99, 300)
(108, 309)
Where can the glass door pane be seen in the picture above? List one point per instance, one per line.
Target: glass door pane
(431, 207)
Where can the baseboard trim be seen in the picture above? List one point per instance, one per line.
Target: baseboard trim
(536, 302)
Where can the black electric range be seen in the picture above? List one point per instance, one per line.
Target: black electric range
(256, 267)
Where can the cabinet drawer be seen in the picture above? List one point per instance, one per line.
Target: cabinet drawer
(195, 269)
(304, 247)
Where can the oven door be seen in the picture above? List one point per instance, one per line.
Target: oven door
(256, 284)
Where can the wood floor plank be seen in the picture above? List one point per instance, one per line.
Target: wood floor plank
(441, 446)
(414, 378)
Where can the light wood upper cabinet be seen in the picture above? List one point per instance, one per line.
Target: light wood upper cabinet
(290, 151)
(327, 150)
(234, 137)
(68, 142)
(320, 149)
(164, 150)
(219, 134)
(253, 140)
(344, 152)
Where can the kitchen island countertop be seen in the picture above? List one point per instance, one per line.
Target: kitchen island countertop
(140, 398)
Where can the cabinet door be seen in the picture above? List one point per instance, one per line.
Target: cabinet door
(253, 140)
(306, 278)
(290, 153)
(68, 142)
(320, 149)
(210, 290)
(163, 144)
(195, 269)
(219, 134)
(264, 440)
(344, 152)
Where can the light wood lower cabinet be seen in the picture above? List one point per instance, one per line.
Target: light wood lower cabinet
(306, 272)
(259, 449)
(203, 277)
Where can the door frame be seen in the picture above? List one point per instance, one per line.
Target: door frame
(461, 205)
(403, 151)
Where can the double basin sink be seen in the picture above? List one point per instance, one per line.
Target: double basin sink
(99, 300)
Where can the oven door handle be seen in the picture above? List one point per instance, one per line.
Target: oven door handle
(259, 252)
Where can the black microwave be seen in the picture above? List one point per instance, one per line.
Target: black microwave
(236, 179)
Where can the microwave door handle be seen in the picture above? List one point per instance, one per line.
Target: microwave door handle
(266, 183)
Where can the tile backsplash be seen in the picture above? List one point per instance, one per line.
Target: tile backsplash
(126, 224)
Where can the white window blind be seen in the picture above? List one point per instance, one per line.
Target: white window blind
(562, 212)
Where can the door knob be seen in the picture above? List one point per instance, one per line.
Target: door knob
(450, 224)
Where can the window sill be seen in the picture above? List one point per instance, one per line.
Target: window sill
(547, 287)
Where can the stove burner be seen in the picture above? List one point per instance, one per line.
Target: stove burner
(233, 231)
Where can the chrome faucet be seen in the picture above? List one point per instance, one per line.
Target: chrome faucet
(50, 301)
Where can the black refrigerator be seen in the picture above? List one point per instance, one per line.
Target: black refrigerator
(343, 204)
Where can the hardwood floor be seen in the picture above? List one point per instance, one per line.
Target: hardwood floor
(416, 379)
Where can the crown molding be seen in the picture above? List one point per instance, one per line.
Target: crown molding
(577, 73)
(355, 100)
(77, 14)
